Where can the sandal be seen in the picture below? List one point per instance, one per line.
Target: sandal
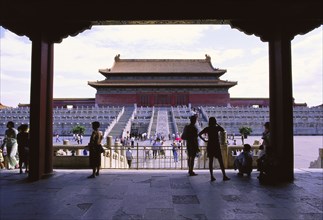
(225, 178)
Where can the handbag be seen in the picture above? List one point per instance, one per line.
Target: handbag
(4, 151)
(101, 149)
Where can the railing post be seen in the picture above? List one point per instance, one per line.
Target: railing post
(182, 157)
(137, 157)
(170, 156)
(204, 156)
(111, 157)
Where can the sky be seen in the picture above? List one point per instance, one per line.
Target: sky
(78, 59)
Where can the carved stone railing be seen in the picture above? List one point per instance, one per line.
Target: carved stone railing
(71, 156)
(318, 163)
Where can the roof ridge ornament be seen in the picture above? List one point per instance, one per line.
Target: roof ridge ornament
(117, 58)
(207, 57)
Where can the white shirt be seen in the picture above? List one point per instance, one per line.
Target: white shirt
(129, 154)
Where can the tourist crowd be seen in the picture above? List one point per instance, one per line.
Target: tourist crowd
(14, 151)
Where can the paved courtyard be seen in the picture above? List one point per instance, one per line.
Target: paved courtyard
(159, 194)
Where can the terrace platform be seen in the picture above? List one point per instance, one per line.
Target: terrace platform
(159, 194)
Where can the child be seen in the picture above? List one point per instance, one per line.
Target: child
(174, 149)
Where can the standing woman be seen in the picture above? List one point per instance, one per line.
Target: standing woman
(190, 134)
(213, 146)
(10, 142)
(95, 149)
(23, 146)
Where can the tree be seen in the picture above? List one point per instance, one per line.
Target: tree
(78, 129)
(245, 131)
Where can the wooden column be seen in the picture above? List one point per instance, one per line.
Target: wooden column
(281, 105)
(41, 113)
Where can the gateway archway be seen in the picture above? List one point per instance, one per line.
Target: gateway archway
(276, 23)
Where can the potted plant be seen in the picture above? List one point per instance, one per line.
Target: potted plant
(78, 129)
(245, 131)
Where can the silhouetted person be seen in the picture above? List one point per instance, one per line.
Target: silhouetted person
(156, 146)
(266, 160)
(23, 146)
(243, 161)
(129, 156)
(10, 142)
(190, 133)
(57, 138)
(213, 146)
(174, 149)
(95, 149)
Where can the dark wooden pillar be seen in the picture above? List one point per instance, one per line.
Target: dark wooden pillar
(281, 106)
(279, 32)
(41, 113)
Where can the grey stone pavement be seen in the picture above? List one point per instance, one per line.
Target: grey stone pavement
(159, 194)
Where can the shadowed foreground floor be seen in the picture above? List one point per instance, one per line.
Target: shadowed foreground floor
(159, 194)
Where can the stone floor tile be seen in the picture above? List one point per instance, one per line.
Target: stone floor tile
(158, 194)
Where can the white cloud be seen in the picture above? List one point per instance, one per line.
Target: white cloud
(253, 79)
(78, 59)
(15, 52)
(228, 55)
(146, 34)
(307, 67)
(258, 50)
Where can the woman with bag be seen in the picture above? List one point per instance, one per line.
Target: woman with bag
(95, 149)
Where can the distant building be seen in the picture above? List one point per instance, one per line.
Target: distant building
(73, 102)
(162, 82)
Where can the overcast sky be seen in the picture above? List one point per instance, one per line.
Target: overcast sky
(78, 59)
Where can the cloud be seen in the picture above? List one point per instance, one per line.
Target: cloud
(229, 55)
(15, 52)
(78, 59)
(253, 79)
(149, 35)
(307, 67)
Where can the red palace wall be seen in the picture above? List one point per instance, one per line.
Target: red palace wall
(194, 99)
(115, 99)
(209, 99)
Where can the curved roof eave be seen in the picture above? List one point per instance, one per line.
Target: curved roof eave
(106, 72)
(162, 66)
(152, 84)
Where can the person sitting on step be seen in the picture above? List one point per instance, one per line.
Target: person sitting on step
(243, 161)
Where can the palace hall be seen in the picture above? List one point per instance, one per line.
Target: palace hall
(162, 82)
